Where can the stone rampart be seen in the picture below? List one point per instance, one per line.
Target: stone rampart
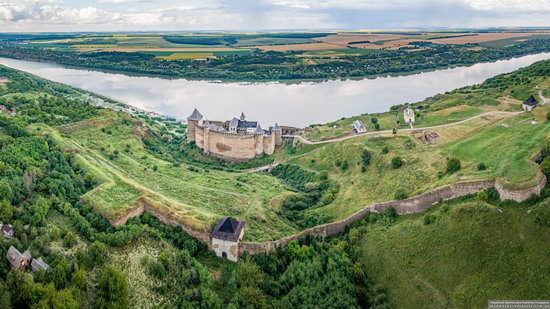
(142, 206)
(411, 205)
(415, 204)
(520, 195)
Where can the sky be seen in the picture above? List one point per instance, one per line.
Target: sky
(238, 15)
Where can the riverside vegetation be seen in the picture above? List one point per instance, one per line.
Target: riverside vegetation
(65, 171)
(223, 57)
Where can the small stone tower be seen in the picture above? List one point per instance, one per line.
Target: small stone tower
(192, 121)
(277, 135)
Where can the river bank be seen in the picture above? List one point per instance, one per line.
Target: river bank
(298, 105)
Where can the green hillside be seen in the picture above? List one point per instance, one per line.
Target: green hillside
(461, 254)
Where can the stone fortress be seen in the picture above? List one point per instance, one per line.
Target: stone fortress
(233, 140)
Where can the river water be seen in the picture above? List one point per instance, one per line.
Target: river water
(297, 104)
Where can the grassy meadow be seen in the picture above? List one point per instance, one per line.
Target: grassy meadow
(113, 151)
(504, 143)
(460, 254)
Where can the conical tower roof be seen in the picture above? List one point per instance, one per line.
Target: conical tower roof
(243, 117)
(259, 130)
(195, 115)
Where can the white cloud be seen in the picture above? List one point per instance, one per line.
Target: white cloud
(510, 5)
(98, 15)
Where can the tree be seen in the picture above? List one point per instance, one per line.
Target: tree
(5, 299)
(112, 290)
(394, 131)
(250, 297)
(391, 213)
(545, 166)
(481, 166)
(60, 274)
(345, 165)
(79, 279)
(374, 120)
(6, 211)
(396, 162)
(6, 193)
(377, 126)
(296, 252)
(453, 165)
(249, 273)
(401, 194)
(69, 240)
(39, 210)
(98, 253)
(366, 157)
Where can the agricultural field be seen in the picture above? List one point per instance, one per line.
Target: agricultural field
(277, 56)
(200, 46)
(459, 254)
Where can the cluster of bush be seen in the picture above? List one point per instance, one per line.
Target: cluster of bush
(313, 191)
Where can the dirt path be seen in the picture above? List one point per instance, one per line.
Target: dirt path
(544, 100)
(389, 132)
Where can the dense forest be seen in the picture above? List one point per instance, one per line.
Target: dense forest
(268, 66)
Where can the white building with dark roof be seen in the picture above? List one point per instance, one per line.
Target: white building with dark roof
(359, 127)
(529, 104)
(409, 115)
(226, 237)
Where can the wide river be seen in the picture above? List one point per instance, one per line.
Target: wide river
(288, 104)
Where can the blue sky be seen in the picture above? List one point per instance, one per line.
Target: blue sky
(184, 15)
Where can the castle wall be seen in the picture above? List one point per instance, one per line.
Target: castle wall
(199, 137)
(269, 144)
(520, 195)
(229, 146)
(191, 125)
(411, 205)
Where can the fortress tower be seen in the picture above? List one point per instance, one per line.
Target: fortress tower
(277, 133)
(192, 122)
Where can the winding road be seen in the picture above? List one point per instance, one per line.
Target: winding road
(387, 132)
(373, 133)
